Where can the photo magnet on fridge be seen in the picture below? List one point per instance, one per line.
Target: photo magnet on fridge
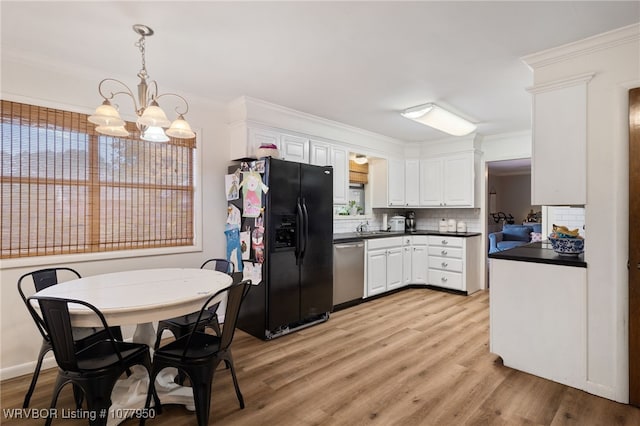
(232, 186)
(252, 189)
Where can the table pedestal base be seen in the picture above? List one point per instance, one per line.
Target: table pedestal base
(130, 394)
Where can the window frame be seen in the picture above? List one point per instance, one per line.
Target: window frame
(29, 261)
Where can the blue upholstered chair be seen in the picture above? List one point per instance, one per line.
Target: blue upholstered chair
(512, 236)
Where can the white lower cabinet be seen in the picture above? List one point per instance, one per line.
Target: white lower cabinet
(384, 265)
(407, 261)
(376, 272)
(394, 268)
(442, 261)
(419, 259)
(454, 262)
(414, 269)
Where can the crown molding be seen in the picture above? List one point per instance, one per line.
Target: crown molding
(246, 108)
(562, 83)
(607, 40)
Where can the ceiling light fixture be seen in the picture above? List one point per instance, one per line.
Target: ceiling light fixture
(151, 118)
(434, 116)
(360, 159)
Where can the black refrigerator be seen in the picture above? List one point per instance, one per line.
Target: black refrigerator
(297, 271)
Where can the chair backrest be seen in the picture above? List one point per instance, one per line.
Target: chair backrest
(57, 324)
(220, 265)
(42, 279)
(236, 293)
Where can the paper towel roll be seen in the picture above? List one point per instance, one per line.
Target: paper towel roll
(384, 222)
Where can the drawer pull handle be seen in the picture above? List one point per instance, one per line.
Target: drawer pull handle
(444, 252)
(445, 242)
(445, 264)
(443, 279)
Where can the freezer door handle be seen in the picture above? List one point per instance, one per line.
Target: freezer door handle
(299, 225)
(305, 224)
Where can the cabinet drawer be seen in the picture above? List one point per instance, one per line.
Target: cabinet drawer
(448, 252)
(379, 243)
(440, 240)
(420, 239)
(445, 263)
(446, 279)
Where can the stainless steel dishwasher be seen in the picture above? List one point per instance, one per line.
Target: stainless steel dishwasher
(348, 272)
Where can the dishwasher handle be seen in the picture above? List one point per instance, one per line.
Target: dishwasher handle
(341, 246)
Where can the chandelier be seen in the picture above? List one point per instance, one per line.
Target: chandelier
(152, 120)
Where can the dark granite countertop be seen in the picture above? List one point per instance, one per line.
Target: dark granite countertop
(539, 253)
(347, 237)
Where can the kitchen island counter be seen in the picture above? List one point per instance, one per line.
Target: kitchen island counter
(537, 312)
(540, 252)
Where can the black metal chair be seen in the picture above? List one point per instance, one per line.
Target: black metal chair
(182, 325)
(198, 354)
(96, 367)
(42, 279)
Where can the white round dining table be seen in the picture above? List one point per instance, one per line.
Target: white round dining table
(140, 297)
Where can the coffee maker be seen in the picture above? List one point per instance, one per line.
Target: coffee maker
(410, 222)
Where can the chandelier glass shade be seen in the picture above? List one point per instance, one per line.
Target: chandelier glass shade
(152, 120)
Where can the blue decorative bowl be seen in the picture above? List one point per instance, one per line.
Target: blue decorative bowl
(567, 246)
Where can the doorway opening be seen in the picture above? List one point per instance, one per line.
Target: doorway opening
(508, 198)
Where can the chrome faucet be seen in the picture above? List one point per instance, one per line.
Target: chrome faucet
(363, 227)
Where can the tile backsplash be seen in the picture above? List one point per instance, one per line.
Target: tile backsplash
(426, 219)
(571, 217)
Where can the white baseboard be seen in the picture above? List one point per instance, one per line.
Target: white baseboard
(604, 391)
(49, 361)
(26, 368)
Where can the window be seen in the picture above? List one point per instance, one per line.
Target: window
(67, 189)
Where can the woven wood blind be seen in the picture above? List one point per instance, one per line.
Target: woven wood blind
(67, 189)
(358, 173)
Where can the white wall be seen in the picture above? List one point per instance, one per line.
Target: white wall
(615, 59)
(513, 195)
(28, 81)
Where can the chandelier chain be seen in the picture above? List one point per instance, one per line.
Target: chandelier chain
(140, 45)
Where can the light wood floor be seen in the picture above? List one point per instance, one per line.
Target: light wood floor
(417, 357)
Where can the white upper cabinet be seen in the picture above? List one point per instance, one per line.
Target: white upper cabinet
(246, 140)
(294, 148)
(412, 182)
(458, 180)
(340, 163)
(431, 182)
(325, 154)
(396, 183)
(320, 155)
(443, 181)
(449, 181)
(259, 137)
(559, 151)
